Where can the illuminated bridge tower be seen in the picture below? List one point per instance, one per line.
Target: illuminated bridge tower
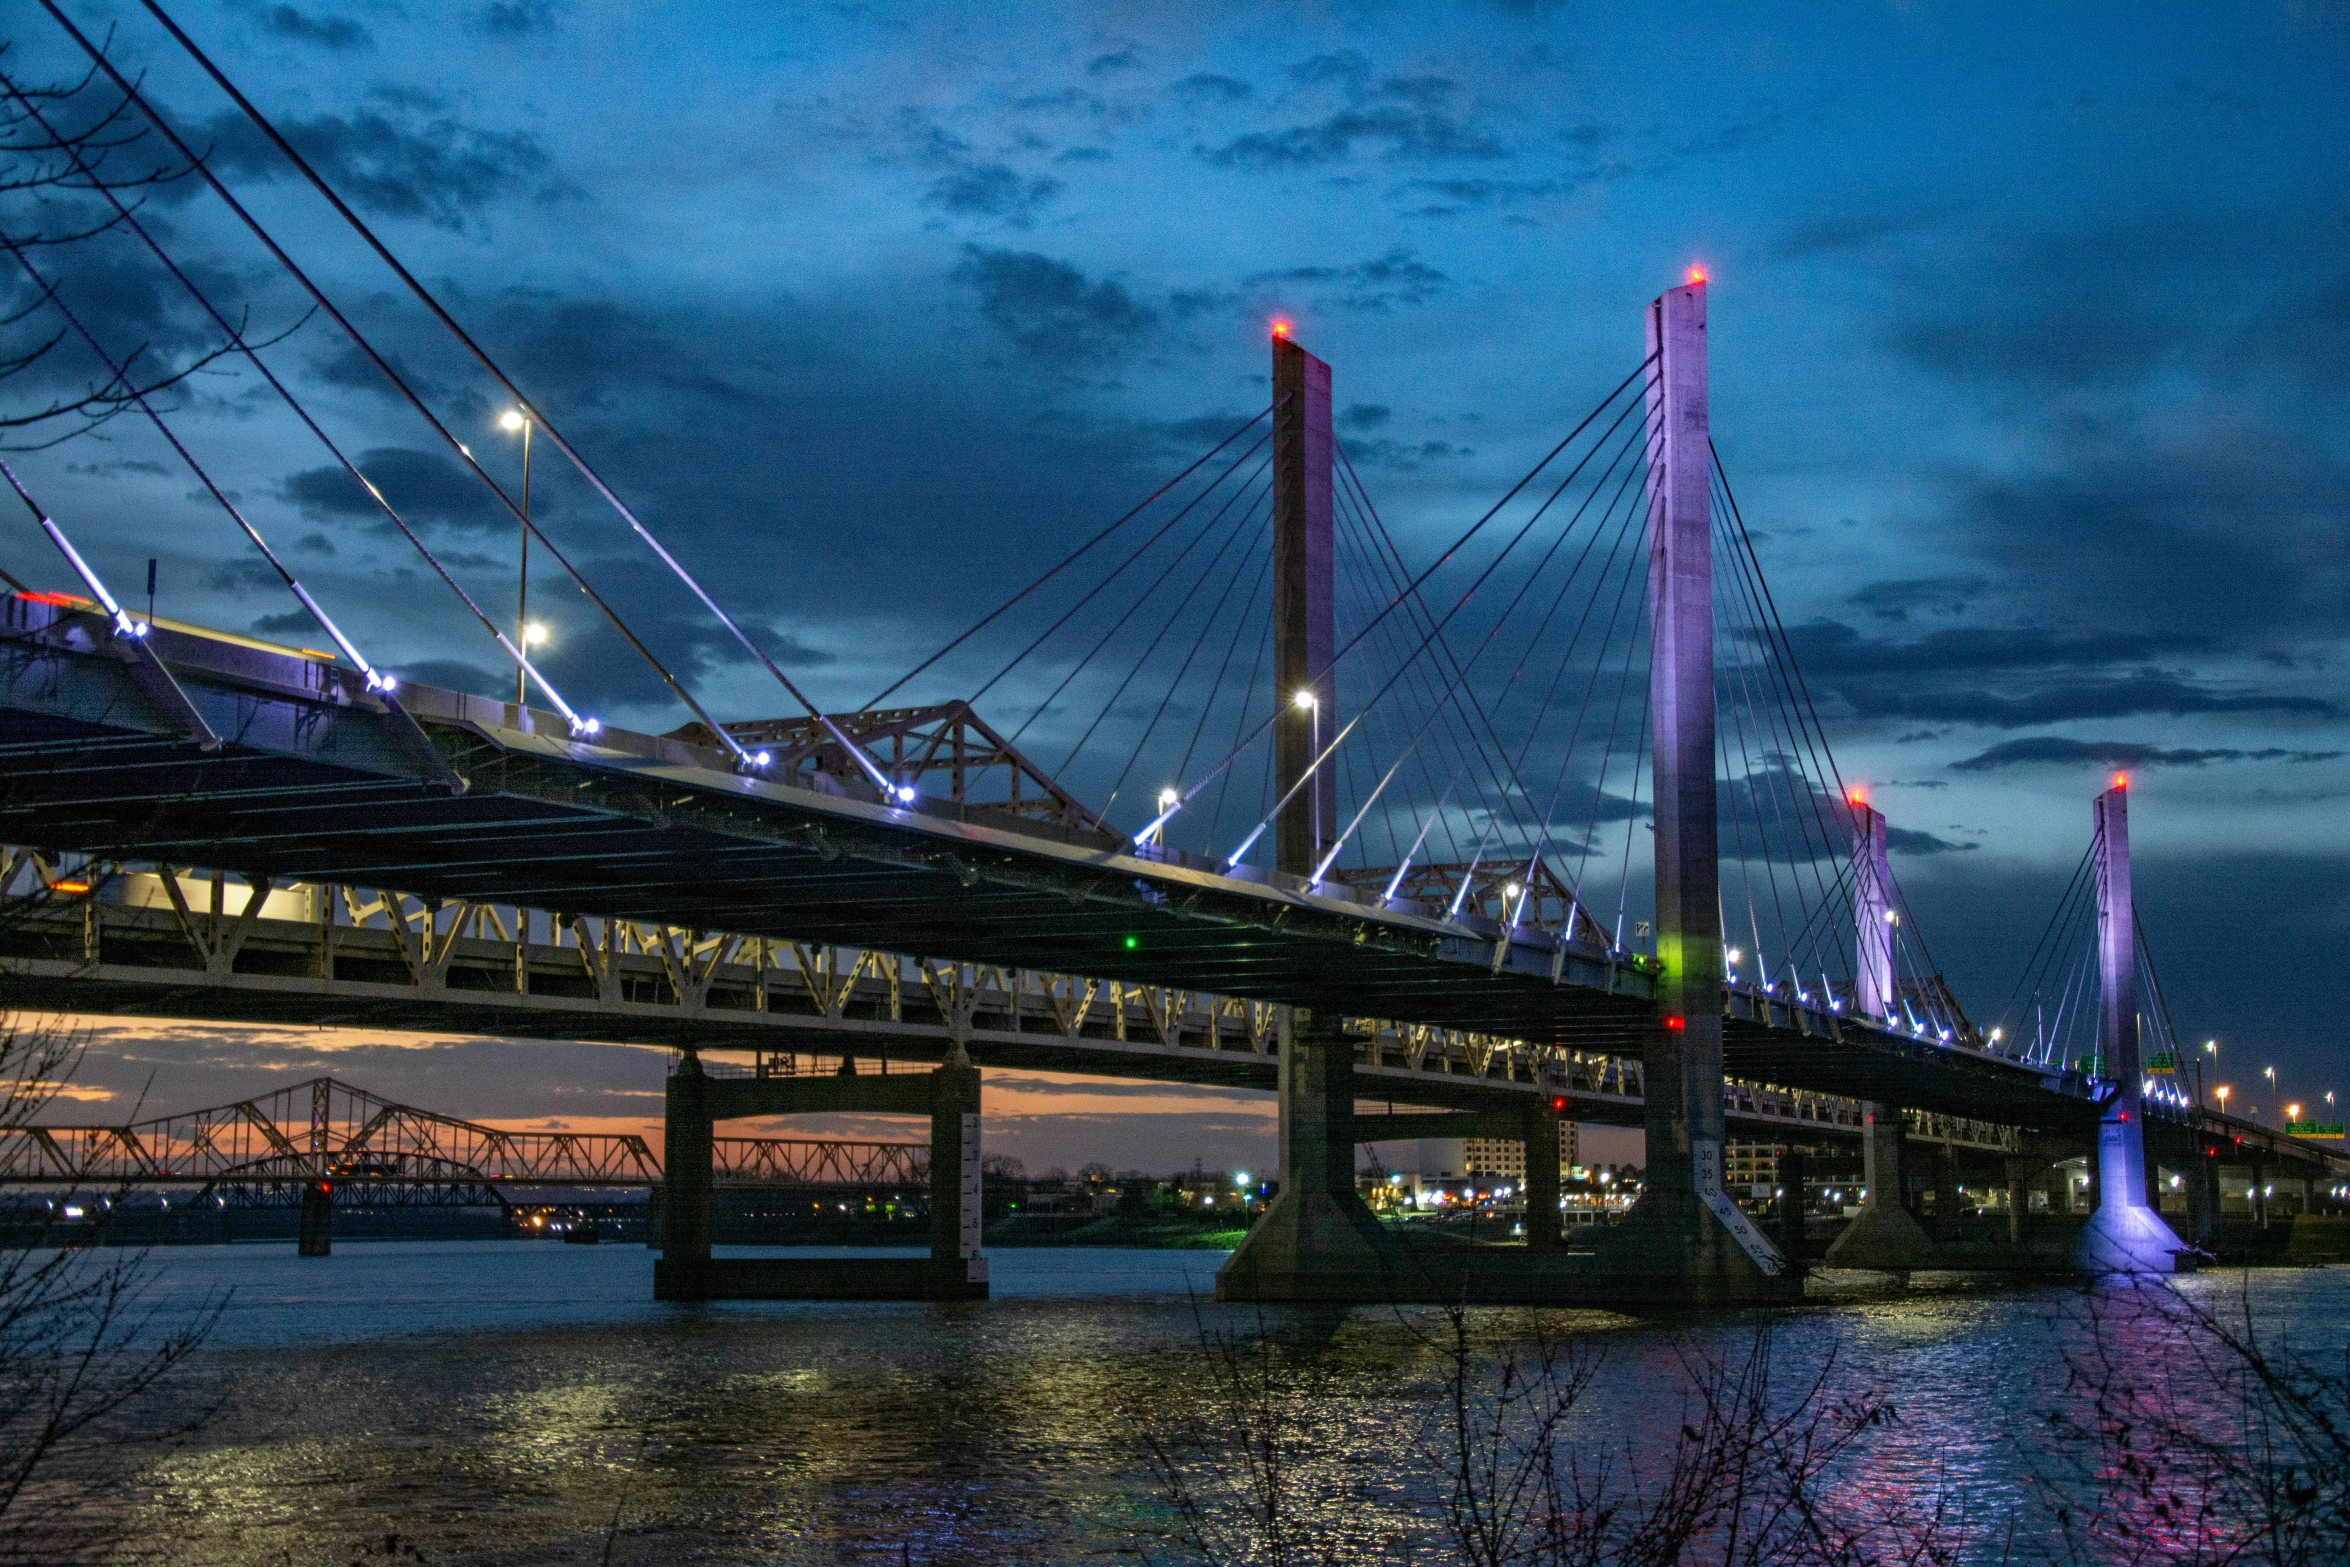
(1318, 1241)
(2124, 1235)
(1685, 1239)
(1886, 1235)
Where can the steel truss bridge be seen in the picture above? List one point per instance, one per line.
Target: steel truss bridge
(374, 1153)
(185, 943)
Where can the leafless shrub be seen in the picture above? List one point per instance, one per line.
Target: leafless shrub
(2193, 1434)
(81, 1345)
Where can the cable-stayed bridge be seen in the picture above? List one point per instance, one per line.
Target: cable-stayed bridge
(1467, 816)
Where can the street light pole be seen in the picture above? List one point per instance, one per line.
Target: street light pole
(1313, 705)
(511, 420)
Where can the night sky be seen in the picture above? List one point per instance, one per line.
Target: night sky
(2029, 338)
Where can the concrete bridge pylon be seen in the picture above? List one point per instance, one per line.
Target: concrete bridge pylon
(2125, 1234)
(1887, 1235)
(1685, 1238)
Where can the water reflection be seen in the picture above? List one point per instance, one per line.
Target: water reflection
(1004, 1432)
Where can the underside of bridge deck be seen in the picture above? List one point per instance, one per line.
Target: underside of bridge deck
(313, 781)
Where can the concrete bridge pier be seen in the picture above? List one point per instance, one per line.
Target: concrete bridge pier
(317, 1233)
(1319, 1241)
(2124, 1235)
(695, 1102)
(1887, 1236)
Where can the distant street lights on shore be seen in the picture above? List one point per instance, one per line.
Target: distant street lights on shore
(514, 420)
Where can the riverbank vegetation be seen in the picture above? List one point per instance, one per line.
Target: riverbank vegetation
(2183, 1430)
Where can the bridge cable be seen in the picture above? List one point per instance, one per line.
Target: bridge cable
(1115, 572)
(359, 226)
(1246, 527)
(1432, 635)
(1471, 532)
(398, 382)
(380, 684)
(375, 682)
(1505, 786)
(1072, 557)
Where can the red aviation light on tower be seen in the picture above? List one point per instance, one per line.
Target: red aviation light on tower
(2121, 780)
(1857, 795)
(1281, 327)
(1697, 272)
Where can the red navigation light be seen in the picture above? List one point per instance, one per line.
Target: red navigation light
(1857, 795)
(2121, 780)
(1674, 1023)
(1558, 1103)
(325, 1187)
(1697, 272)
(1280, 329)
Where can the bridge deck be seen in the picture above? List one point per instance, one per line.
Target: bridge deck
(315, 782)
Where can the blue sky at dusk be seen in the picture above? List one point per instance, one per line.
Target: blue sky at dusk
(2029, 333)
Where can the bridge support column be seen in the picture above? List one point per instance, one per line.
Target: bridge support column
(949, 1096)
(1304, 570)
(1887, 1236)
(2019, 1198)
(1685, 1239)
(955, 1210)
(1791, 1205)
(2124, 1235)
(2203, 1203)
(686, 1184)
(1542, 1176)
(1319, 1241)
(317, 1236)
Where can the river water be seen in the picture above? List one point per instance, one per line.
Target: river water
(526, 1402)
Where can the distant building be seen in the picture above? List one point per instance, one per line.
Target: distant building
(1482, 1163)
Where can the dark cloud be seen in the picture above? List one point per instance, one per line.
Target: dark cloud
(1344, 68)
(1046, 305)
(2051, 751)
(1409, 135)
(1112, 64)
(992, 190)
(1908, 840)
(1084, 155)
(1403, 456)
(1831, 233)
(293, 623)
(1207, 87)
(2020, 678)
(403, 155)
(425, 487)
(516, 18)
(1503, 194)
(453, 674)
(336, 33)
(1903, 597)
(1410, 119)
(1067, 99)
(1365, 416)
(1397, 278)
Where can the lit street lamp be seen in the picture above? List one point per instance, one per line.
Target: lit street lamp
(1313, 704)
(511, 420)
